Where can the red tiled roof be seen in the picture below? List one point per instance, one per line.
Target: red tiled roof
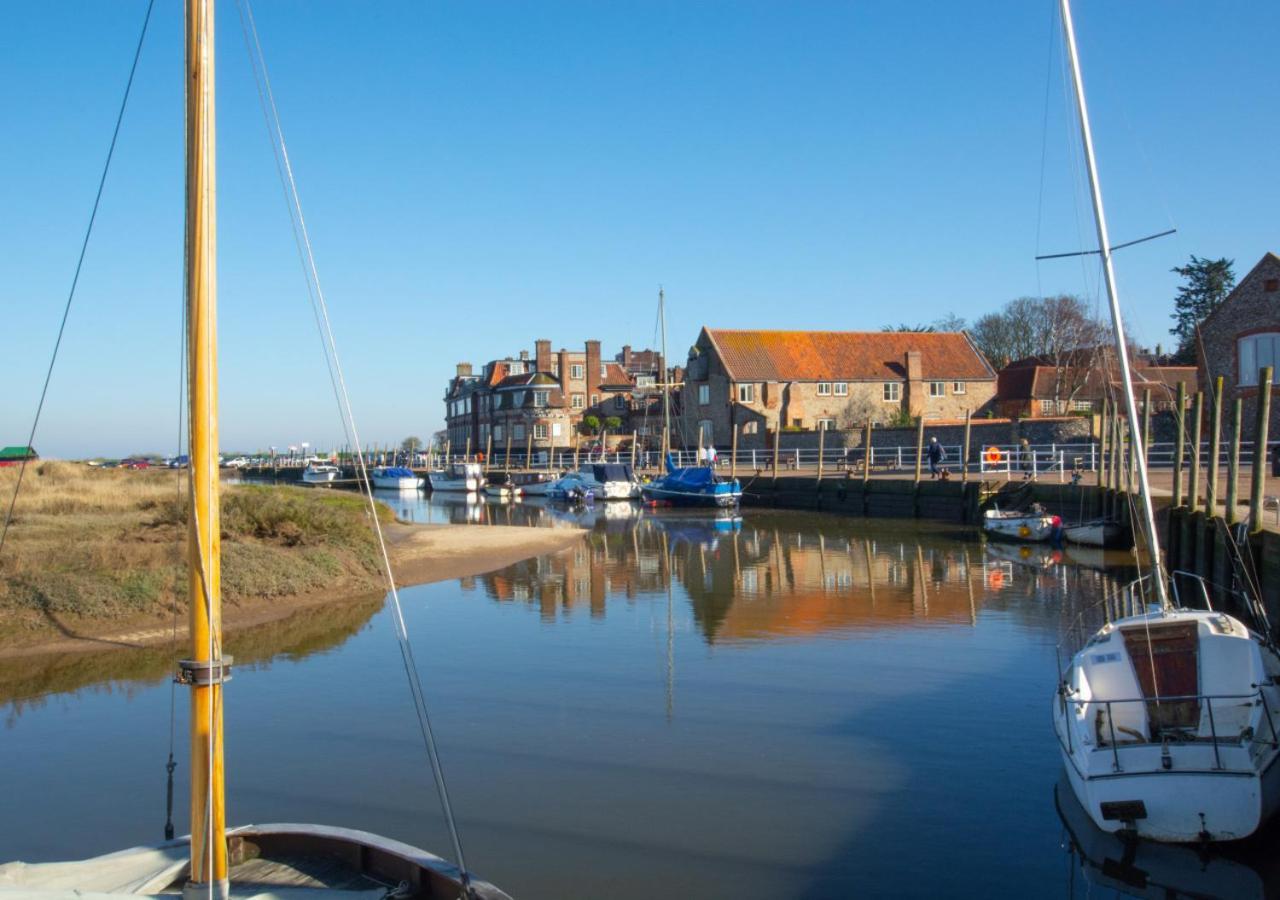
(847, 355)
(615, 376)
(1037, 382)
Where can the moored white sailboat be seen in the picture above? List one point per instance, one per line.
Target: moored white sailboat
(261, 860)
(1165, 719)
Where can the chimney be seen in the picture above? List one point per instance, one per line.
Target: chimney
(524, 355)
(464, 369)
(915, 384)
(564, 374)
(593, 370)
(626, 357)
(542, 355)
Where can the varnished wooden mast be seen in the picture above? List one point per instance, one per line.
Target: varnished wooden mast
(205, 670)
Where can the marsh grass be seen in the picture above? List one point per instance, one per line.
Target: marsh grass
(111, 543)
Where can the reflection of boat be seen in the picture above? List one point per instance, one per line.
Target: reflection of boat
(1150, 869)
(1018, 526)
(692, 486)
(1037, 556)
(395, 478)
(1097, 533)
(457, 477)
(319, 473)
(256, 860)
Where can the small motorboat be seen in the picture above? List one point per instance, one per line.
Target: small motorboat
(1098, 533)
(613, 481)
(1034, 525)
(572, 487)
(499, 484)
(466, 476)
(395, 478)
(319, 473)
(533, 484)
(692, 486)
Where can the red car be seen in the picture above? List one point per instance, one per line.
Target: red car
(134, 464)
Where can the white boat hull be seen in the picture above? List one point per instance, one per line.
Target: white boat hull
(392, 483)
(501, 490)
(1020, 528)
(444, 483)
(535, 489)
(309, 477)
(1093, 534)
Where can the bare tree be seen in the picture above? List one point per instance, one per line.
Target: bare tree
(857, 411)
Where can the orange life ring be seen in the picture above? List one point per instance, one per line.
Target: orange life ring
(993, 454)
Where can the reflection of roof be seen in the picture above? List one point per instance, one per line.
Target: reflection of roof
(846, 355)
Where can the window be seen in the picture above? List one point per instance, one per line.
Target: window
(746, 393)
(1082, 405)
(959, 387)
(892, 392)
(576, 371)
(840, 389)
(704, 394)
(1049, 407)
(646, 381)
(555, 429)
(797, 423)
(540, 398)
(1271, 285)
(825, 424)
(750, 428)
(517, 431)
(1256, 351)
(937, 389)
(824, 389)
(517, 399)
(578, 402)
(707, 431)
(540, 431)
(620, 402)
(517, 368)
(497, 432)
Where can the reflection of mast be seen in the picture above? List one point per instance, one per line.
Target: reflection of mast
(871, 578)
(924, 588)
(671, 647)
(968, 581)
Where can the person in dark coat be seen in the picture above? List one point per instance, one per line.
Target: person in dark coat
(936, 455)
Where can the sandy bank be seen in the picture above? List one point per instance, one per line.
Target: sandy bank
(420, 554)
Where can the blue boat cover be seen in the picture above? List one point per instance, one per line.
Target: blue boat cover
(603, 472)
(395, 472)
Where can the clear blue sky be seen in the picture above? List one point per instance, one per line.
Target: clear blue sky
(477, 175)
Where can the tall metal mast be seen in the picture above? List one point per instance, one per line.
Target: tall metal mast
(666, 367)
(1117, 322)
(206, 669)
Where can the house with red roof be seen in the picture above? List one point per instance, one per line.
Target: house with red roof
(761, 381)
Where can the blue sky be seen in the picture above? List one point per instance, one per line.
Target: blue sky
(477, 175)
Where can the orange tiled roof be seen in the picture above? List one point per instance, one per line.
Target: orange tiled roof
(847, 355)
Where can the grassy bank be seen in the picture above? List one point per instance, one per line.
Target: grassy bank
(91, 546)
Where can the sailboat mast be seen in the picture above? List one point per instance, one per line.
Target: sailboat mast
(205, 669)
(666, 368)
(1117, 321)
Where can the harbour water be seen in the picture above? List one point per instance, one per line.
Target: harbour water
(781, 705)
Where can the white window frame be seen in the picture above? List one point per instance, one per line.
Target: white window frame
(840, 388)
(937, 389)
(827, 424)
(1082, 406)
(746, 393)
(891, 392)
(539, 431)
(1253, 351)
(555, 429)
(578, 401)
(620, 402)
(577, 371)
(704, 395)
(540, 398)
(959, 387)
(824, 389)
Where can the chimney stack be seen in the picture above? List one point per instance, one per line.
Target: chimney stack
(464, 369)
(593, 370)
(524, 355)
(915, 384)
(564, 374)
(542, 355)
(626, 357)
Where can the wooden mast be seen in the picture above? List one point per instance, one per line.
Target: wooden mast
(205, 670)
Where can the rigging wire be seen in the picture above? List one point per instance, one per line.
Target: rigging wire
(349, 426)
(75, 279)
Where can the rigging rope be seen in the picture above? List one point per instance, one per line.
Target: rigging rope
(347, 415)
(75, 279)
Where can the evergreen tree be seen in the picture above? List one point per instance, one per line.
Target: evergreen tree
(1206, 283)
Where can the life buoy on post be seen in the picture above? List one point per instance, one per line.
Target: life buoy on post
(993, 455)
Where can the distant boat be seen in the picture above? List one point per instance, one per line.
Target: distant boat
(457, 477)
(395, 478)
(613, 481)
(1097, 533)
(573, 487)
(692, 486)
(499, 484)
(1008, 525)
(533, 484)
(319, 473)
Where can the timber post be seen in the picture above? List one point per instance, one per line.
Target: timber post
(777, 443)
(866, 454)
(1180, 443)
(1233, 464)
(1215, 448)
(733, 451)
(822, 434)
(964, 451)
(1258, 488)
(1104, 423)
(1197, 423)
(919, 445)
(506, 460)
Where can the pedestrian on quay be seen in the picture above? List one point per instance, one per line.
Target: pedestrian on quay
(936, 455)
(1025, 457)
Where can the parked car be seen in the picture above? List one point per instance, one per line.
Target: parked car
(135, 464)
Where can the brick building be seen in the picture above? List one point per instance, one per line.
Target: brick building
(1241, 336)
(1034, 387)
(764, 380)
(544, 397)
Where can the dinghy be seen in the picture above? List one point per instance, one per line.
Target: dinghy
(1008, 525)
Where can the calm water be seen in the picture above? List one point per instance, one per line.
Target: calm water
(777, 706)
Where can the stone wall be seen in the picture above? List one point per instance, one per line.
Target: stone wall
(1070, 430)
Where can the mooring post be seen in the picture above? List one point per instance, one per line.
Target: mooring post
(1215, 448)
(1197, 424)
(448, 452)
(1233, 463)
(733, 452)
(777, 445)
(1259, 485)
(964, 451)
(577, 445)
(822, 434)
(867, 454)
(488, 450)
(1104, 426)
(506, 457)
(1146, 431)
(919, 445)
(1179, 443)
(467, 458)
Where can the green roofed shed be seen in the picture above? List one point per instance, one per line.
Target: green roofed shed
(17, 454)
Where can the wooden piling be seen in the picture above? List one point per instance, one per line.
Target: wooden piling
(1146, 432)
(919, 445)
(1258, 488)
(467, 458)
(822, 435)
(1197, 423)
(1180, 443)
(506, 458)
(577, 444)
(1233, 463)
(777, 444)
(866, 454)
(1215, 448)
(448, 452)
(733, 452)
(964, 451)
(1104, 439)
(635, 437)
(488, 450)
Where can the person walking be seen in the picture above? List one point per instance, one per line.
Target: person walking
(1025, 458)
(936, 455)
